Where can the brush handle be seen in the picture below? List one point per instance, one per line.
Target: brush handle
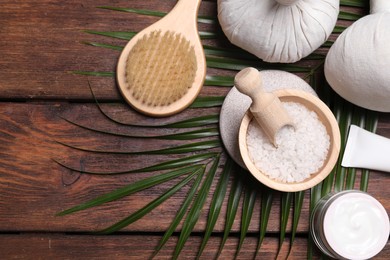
(266, 107)
(186, 11)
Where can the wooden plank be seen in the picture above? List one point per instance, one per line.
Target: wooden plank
(44, 246)
(34, 188)
(59, 246)
(42, 42)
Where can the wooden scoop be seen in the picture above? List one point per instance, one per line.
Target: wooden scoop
(162, 68)
(266, 107)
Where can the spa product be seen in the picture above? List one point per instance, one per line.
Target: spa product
(356, 66)
(236, 104)
(162, 69)
(266, 107)
(278, 30)
(300, 152)
(366, 150)
(349, 225)
(316, 106)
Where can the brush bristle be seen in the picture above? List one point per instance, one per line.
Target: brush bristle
(160, 68)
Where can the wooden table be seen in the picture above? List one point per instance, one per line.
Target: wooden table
(41, 43)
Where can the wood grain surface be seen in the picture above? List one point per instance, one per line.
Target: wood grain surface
(49, 246)
(41, 42)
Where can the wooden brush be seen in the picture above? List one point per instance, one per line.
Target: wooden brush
(162, 69)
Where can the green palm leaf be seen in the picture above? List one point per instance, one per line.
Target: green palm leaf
(204, 102)
(128, 35)
(298, 203)
(186, 148)
(232, 207)
(220, 81)
(247, 211)
(285, 205)
(216, 203)
(339, 29)
(196, 209)
(116, 35)
(104, 45)
(267, 197)
(239, 64)
(186, 123)
(132, 188)
(235, 53)
(195, 122)
(355, 3)
(349, 16)
(200, 102)
(94, 73)
(172, 164)
(180, 214)
(315, 196)
(152, 205)
(186, 135)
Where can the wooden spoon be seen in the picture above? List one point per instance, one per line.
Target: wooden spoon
(266, 107)
(162, 69)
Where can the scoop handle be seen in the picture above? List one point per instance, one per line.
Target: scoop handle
(266, 107)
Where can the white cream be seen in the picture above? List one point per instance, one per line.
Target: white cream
(356, 226)
(366, 150)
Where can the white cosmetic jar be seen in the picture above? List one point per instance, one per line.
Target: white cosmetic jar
(350, 225)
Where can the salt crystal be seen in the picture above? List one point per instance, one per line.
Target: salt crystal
(301, 150)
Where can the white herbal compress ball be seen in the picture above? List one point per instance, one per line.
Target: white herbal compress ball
(278, 30)
(357, 66)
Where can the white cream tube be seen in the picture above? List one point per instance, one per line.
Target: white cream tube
(366, 150)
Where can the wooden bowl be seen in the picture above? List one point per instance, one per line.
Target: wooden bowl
(324, 115)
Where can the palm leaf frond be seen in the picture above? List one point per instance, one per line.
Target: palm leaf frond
(116, 35)
(267, 197)
(94, 73)
(167, 165)
(349, 16)
(184, 135)
(216, 203)
(196, 208)
(104, 45)
(149, 207)
(132, 188)
(180, 214)
(186, 148)
(250, 194)
(220, 81)
(355, 3)
(315, 196)
(285, 203)
(208, 101)
(298, 203)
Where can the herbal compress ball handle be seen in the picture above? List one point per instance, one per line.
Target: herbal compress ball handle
(266, 107)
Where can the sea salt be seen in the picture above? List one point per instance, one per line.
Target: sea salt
(300, 152)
